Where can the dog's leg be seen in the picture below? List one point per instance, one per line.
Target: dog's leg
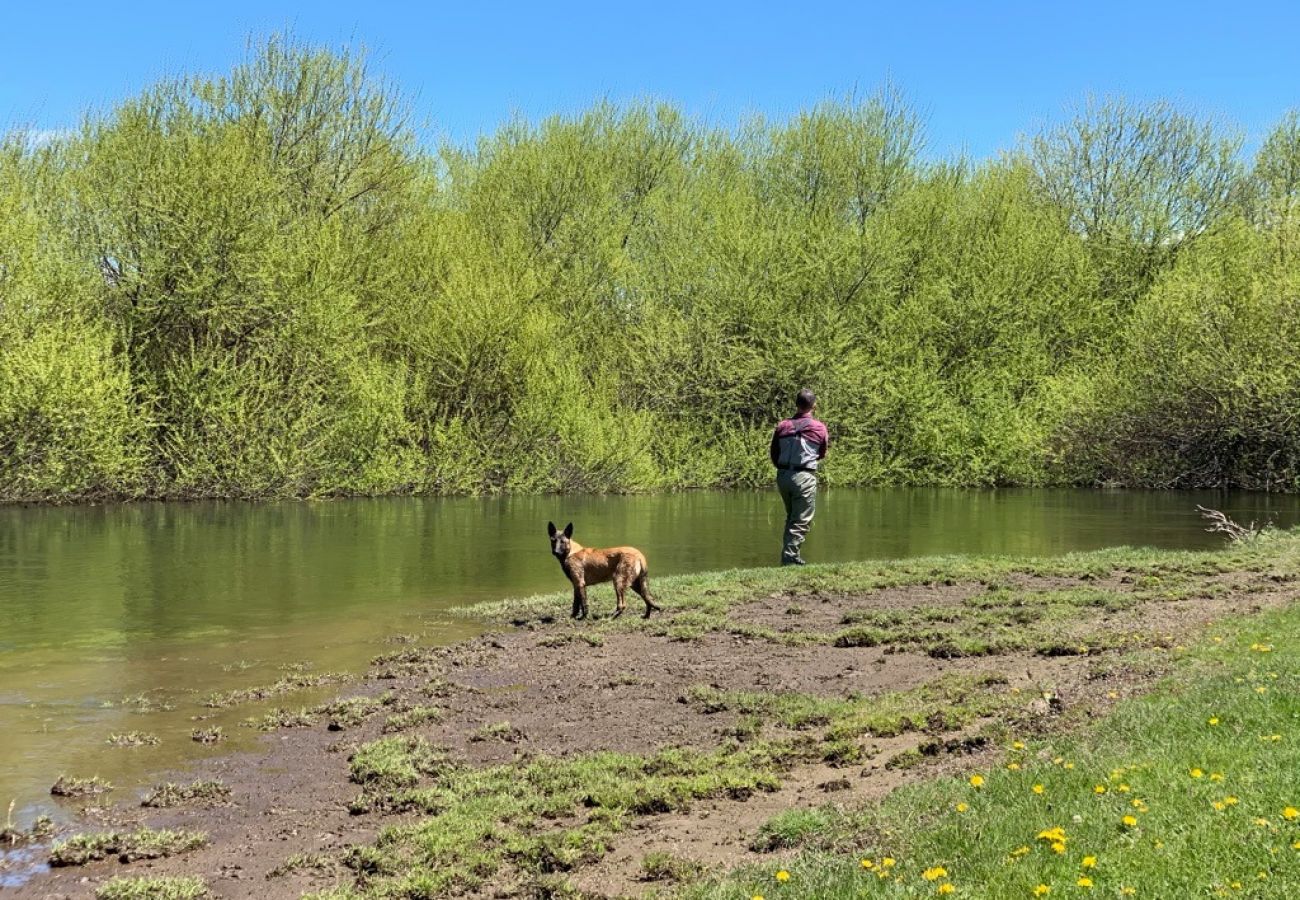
(642, 587)
(620, 594)
(578, 601)
(581, 591)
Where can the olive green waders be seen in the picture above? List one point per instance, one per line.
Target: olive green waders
(799, 492)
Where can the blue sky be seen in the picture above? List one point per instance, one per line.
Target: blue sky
(981, 73)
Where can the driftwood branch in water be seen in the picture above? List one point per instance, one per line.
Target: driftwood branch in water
(1221, 524)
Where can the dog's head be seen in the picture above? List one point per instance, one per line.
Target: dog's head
(560, 540)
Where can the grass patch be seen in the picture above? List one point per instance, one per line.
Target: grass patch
(213, 735)
(145, 843)
(68, 786)
(133, 739)
(294, 681)
(412, 718)
(661, 866)
(185, 887)
(167, 795)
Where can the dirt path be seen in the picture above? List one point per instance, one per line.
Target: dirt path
(561, 690)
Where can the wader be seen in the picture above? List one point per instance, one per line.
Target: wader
(799, 492)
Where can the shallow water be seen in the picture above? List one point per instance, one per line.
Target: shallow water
(108, 612)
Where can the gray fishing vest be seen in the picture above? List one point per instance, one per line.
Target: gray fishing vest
(795, 450)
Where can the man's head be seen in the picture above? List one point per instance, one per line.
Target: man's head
(805, 400)
(559, 540)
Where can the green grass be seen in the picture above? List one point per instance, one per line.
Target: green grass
(294, 681)
(144, 843)
(133, 739)
(69, 786)
(185, 887)
(1209, 803)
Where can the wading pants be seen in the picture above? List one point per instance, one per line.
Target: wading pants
(799, 492)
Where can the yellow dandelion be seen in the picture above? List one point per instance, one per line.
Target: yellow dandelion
(1291, 813)
(1089, 862)
(1113, 695)
(1041, 890)
(887, 862)
(757, 897)
(1058, 847)
(1017, 745)
(934, 873)
(1130, 821)
(1022, 850)
(1158, 844)
(783, 876)
(1037, 789)
(1219, 805)
(1099, 789)
(868, 864)
(962, 807)
(1261, 822)
(946, 888)
(1069, 765)
(1213, 720)
(1230, 801)
(1236, 885)
(1128, 891)
(1057, 760)
(1196, 773)
(1261, 690)
(1123, 789)
(977, 781)
(1084, 882)
(1014, 767)
(1295, 845)
(1216, 776)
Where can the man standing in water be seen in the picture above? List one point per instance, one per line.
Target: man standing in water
(798, 445)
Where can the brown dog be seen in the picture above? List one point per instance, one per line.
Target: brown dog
(625, 566)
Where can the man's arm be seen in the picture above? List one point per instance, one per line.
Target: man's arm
(826, 442)
(774, 451)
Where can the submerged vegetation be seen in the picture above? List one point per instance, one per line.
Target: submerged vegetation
(263, 284)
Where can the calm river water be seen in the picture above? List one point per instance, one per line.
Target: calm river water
(108, 612)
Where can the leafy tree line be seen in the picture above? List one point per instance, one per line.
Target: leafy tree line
(264, 285)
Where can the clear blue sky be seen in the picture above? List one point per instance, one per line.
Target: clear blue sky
(982, 73)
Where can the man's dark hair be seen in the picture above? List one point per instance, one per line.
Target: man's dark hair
(805, 400)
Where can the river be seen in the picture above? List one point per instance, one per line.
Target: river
(108, 613)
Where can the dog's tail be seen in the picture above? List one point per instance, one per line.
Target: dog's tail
(641, 584)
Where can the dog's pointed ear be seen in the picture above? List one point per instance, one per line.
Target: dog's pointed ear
(550, 529)
(568, 530)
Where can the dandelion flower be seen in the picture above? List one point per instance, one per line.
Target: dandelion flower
(1069, 765)
(977, 781)
(1058, 847)
(1099, 789)
(783, 876)
(1230, 801)
(1291, 813)
(1130, 821)
(1041, 890)
(867, 864)
(1089, 862)
(946, 888)
(887, 862)
(757, 897)
(1014, 767)
(1128, 891)
(1123, 788)
(1084, 882)
(1022, 850)
(1213, 720)
(1038, 789)
(961, 807)
(1216, 776)
(934, 873)
(1196, 773)
(1017, 745)
(1219, 805)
